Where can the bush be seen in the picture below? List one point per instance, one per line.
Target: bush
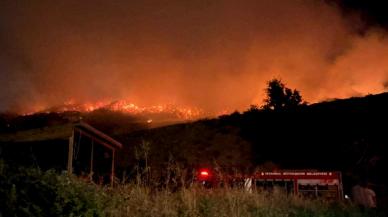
(31, 192)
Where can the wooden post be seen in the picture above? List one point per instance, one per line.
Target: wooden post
(113, 168)
(296, 190)
(70, 154)
(91, 161)
(340, 187)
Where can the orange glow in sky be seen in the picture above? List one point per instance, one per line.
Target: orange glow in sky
(211, 56)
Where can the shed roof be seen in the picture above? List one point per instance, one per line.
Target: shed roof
(58, 132)
(96, 133)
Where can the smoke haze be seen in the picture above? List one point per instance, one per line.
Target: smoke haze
(212, 54)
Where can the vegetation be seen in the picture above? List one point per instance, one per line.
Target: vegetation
(31, 192)
(281, 98)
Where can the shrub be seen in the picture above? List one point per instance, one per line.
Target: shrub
(32, 192)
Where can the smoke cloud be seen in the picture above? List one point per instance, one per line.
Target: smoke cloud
(212, 54)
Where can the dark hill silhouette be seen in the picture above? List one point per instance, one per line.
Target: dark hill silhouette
(347, 135)
(369, 103)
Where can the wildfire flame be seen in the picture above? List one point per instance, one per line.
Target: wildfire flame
(181, 112)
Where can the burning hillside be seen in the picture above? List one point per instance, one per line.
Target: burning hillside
(113, 117)
(171, 110)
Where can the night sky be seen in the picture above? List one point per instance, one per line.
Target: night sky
(211, 54)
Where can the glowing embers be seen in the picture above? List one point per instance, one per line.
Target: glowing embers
(183, 112)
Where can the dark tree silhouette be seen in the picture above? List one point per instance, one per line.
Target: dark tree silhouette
(281, 98)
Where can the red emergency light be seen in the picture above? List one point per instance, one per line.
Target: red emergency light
(204, 174)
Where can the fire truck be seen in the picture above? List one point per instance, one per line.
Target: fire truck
(307, 183)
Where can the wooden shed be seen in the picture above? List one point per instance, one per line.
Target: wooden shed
(92, 154)
(76, 147)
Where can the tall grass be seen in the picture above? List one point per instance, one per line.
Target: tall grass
(31, 192)
(139, 201)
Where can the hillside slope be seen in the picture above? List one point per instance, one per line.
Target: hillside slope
(347, 135)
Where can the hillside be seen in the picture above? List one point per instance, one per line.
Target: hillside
(347, 135)
(44, 125)
(321, 124)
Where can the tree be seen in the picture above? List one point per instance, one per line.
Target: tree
(281, 98)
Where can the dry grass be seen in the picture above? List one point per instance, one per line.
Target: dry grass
(31, 192)
(132, 200)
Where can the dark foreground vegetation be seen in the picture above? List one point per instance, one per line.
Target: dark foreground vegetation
(31, 192)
